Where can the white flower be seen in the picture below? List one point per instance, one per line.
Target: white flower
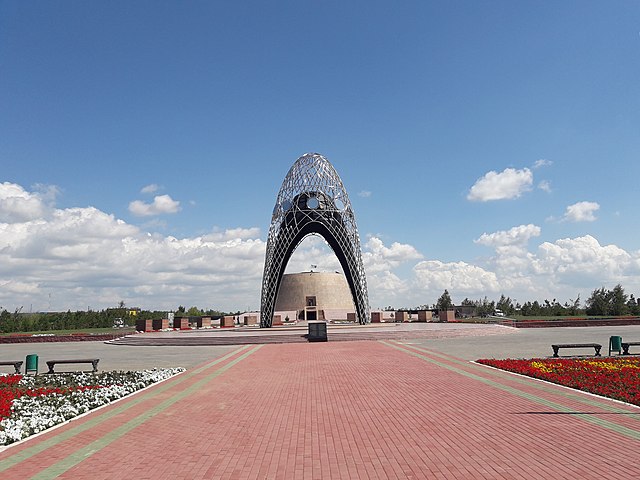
(31, 415)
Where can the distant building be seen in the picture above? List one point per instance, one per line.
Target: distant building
(465, 311)
(315, 295)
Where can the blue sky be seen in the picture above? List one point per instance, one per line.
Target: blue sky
(487, 147)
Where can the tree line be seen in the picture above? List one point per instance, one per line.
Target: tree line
(13, 322)
(601, 302)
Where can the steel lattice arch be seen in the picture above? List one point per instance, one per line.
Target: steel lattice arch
(313, 201)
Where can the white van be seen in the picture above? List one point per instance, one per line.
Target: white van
(498, 313)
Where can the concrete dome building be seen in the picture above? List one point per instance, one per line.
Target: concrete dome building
(315, 295)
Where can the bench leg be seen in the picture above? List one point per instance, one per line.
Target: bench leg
(597, 351)
(51, 368)
(625, 350)
(95, 365)
(17, 367)
(555, 351)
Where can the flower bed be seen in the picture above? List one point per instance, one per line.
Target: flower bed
(612, 377)
(31, 404)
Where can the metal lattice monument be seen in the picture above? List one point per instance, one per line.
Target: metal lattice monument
(313, 201)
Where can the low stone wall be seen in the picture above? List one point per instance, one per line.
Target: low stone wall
(228, 321)
(203, 322)
(252, 320)
(62, 338)
(181, 323)
(572, 322)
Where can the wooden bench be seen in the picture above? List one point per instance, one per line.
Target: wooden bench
(557, 347)
(626, 345)
(92, 361)
(17, 364)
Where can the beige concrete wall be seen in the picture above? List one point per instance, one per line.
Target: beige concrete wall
(330, 289)
(227, 321)
(160, 323)
(447, 315)
(203, 322)
(251, 320)
(181, 322)
(145, 325)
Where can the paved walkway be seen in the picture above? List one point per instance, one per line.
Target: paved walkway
(354, 410)
(298, 334)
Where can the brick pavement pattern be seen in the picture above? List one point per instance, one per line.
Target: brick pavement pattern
(346, 410)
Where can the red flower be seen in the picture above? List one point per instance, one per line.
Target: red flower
(612, 377)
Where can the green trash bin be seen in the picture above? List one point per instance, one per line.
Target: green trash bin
(32, 364)
(615, 344)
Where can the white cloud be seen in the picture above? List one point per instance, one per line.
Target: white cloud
(583, 261)
(545, 186)
(581, 212)
(364, 193)
(161, 204)
(233, 233)
(387, 288)
(542, 163)
(85, 257)
(519, 235)
(460, 278)
(18, 205)
(506, 185)
(152, 188)
(313, 251)
(378, 258)
(559, 269)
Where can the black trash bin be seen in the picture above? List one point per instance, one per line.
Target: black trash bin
(317, 332)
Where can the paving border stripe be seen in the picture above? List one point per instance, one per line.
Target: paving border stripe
(540, 384)
(87, 451)
(134, 399)
(614, 427)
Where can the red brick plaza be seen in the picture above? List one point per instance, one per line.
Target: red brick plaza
(347, 410)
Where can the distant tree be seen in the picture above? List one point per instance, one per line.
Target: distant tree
(572, 306)
(181, 310)
(6, 324)
(618, 301)
(214, 313)
(194, 312)
(444, 302)
(485, 307)
(598, 302)
(632, 304)
(506, 305)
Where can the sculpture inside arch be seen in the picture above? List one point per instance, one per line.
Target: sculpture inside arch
(313, 201)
